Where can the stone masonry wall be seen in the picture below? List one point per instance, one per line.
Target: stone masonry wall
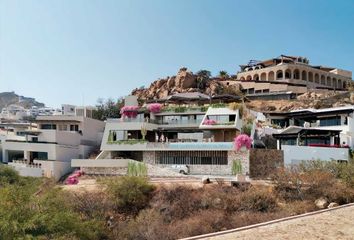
(105, 170)
(149, 158)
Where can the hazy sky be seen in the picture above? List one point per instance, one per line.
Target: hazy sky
(73, 51)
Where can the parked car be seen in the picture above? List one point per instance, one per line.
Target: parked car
(183, 169)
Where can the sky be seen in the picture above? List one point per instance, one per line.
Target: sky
(76, 51)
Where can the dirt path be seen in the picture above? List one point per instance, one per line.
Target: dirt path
(335, 224)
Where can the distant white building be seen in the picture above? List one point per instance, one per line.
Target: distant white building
(48, 149)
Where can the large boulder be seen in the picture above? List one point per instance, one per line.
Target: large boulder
(171, 82)
(185, 79)
(321, 203)
(333, 204)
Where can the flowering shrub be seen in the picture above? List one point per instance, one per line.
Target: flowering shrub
(129, 111)
(209, 122)
(242, 140)
(154, 107)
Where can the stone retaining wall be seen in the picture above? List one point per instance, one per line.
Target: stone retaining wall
(149, 158)
(105, 170)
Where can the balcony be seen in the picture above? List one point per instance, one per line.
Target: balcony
(173, 146)
(193, 123)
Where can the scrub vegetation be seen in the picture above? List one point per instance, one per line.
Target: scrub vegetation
(132, 208)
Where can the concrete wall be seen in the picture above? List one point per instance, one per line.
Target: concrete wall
(26, 170)
(149, 158)
(54, 169)
(296, 154)
(60, 137)
(92, 130)
(119, 163)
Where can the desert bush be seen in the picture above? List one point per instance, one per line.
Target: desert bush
(8, 175)
(311, 181)
(298, 207)
(147, 225)
(177, 202)
(346, 173)
(130, 194)
(91, 205)
(203, 222)
(245, 218)
(338, 192)
(257, 200)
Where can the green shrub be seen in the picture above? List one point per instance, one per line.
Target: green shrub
(130, 193)
(218, 105)
(137, 169)
(8, 175)
(180, 109)
(236, 167)
(346, 173)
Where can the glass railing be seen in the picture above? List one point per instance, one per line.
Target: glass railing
(179, 122)
(225, 146)
(192, 146)
(202, 145)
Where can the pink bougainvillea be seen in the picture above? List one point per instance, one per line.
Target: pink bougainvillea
(72, 180)
(129, 111)
(154, 107)
(242, 140)
(209, 122)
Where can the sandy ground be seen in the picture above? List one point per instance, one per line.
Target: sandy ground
(87, 183)
(336, 224)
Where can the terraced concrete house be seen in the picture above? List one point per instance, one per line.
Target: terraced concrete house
(46, 149)
(290, 73)
(183, 129)
(314, 134)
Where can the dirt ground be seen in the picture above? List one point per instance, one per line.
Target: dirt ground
(337, 224)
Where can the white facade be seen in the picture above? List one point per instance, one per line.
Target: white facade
(57, 140)
(297, 154)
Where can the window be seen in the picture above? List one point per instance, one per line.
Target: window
(34, 139)
(288, 141)
(74, 128)
(280, 122)
(48, 126)
(191, 157)
(223, 119)
(330, 121)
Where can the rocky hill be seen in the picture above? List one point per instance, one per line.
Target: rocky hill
(184, 81)
(187, 81)
(7, 98)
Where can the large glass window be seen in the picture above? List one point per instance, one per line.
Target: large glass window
(48, 126)
(192, 157)
(280, 122)
(330, 121)
(223, 119)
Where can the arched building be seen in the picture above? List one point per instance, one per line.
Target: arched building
(290, 73)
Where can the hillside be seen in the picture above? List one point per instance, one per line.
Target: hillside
(7, 98)
(186, 81)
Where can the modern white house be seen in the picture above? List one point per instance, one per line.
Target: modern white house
(314, 134)
(187, 131)
(48, 149)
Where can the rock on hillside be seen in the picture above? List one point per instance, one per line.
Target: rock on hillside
(310, 99)
(184, 81)
(7, 98)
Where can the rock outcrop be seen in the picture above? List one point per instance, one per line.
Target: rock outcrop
(184, 81)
